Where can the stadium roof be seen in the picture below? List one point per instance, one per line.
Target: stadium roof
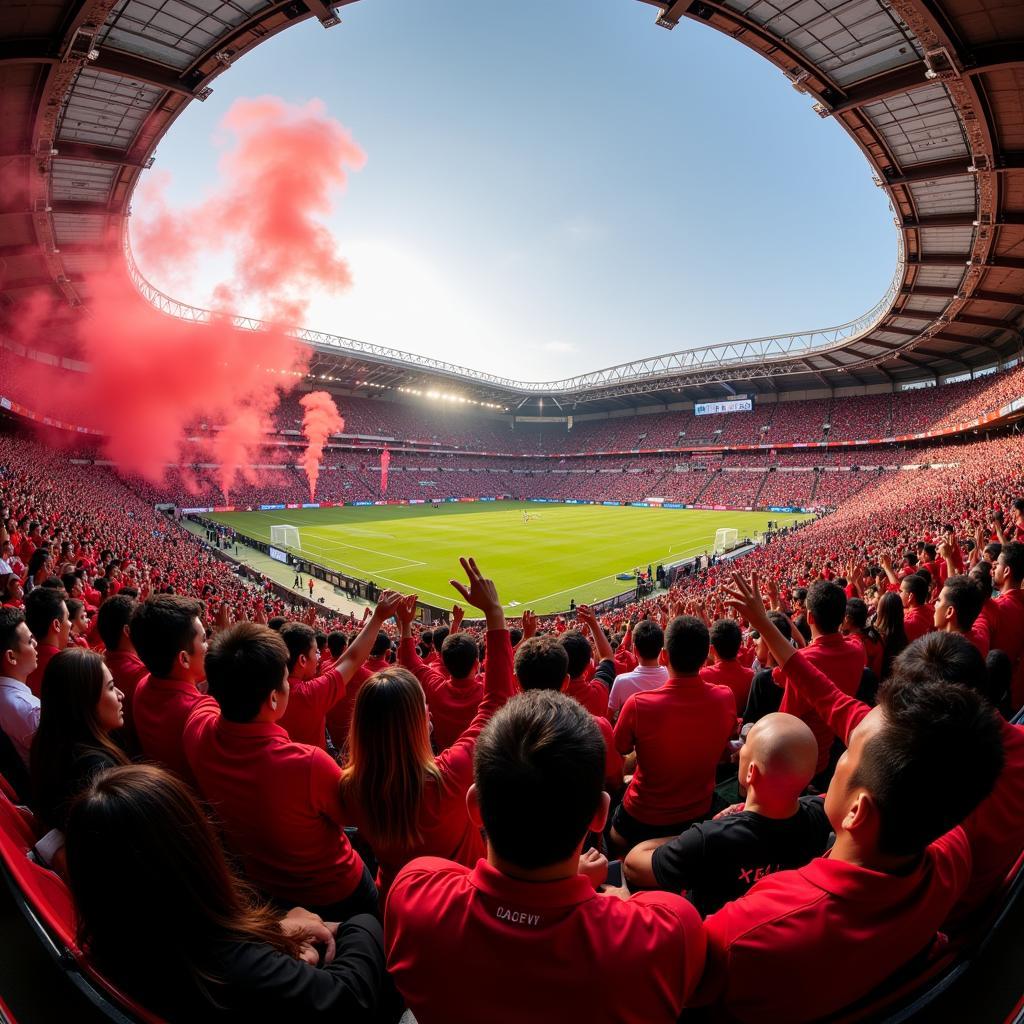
(931, 92)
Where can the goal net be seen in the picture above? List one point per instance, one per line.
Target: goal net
(288, 537)
(726, 539)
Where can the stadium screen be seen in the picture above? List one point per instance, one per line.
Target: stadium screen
(278, 555)
(730, 405)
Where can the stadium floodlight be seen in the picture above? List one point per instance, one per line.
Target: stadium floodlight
(286, 537)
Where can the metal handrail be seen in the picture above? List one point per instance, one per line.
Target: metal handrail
(795, 346)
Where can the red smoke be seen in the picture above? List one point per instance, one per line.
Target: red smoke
(155, 378)
(385, 461)
(320, 419)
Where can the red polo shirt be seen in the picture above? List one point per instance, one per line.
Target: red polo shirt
(128, 671)
(803, 944)
(279, 804)
(466, 946)
(996, 828)
(732, 674)
(309, 700)
(161, 708)
(44, 655)
(841, 659)
(918, 621)
(444, 824)
(453, 702)
(591, 693)
(679, 732)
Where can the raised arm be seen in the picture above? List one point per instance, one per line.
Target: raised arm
(586, 615)
(842, 713)
(359, 650)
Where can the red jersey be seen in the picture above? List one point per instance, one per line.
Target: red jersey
(732, 674)
(803, 944)
(544, 952)
(128, 671)
(44, 655)
(679, 732)
(279, 804)
(161, 708)
(309, 700)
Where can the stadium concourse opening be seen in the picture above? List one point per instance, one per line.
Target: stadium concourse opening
(786, 785)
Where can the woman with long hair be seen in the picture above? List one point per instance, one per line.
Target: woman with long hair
(888, 624)
(80, 708)
(141, 851)
(406, 802)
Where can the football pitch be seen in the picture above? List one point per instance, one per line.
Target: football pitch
(563, 552)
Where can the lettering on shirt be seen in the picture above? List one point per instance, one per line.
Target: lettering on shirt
(748, 876)
(518, 917)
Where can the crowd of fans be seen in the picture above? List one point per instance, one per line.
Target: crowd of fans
(798, 764)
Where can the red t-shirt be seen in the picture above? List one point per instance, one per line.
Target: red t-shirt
(679, 732)
(444, 823)
(803, 944)
(339, 717)
(453, 703)
(466, 946)
(591, 693)
(918, 621)
(279, 804)
(732, 674)
(842, 659)
(309, 700)
(160, 709)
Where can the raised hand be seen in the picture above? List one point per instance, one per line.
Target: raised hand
(405, 612)
(481, 593)
(745, 596)
(529, 624)
(387, 604)
(458, 614)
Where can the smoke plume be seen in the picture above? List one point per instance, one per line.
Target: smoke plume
(155, 379)
(320, 419)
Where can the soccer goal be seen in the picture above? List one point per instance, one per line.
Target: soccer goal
(288, 537)
(726, 539)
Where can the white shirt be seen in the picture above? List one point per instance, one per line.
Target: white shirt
(642, 678)
(19, 714)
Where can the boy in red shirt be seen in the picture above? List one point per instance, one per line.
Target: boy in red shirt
(46, 615)
(726, 670)
(542, 944)
(112, 624)
(679, 733)
(168, 634)
(803, 944)
(1006, 615)
(918, 618)
(958, 609)
(279, 801)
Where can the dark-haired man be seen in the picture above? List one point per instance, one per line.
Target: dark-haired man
(918, 617)
(591, 691)
(726, 638)
(279, 800)
(841, 658)
(1006, 613)
(169, 637)
(452, 696)
(542, 663)
(649, 674)
(46, 615)
(19, 706)
(544, 946)
(803, 944)
(678, 733)
(958, 610)
(113, 625)
(996, 828)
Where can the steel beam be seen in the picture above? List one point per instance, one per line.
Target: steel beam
(90, 153)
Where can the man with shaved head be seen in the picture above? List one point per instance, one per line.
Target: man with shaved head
(718, 861)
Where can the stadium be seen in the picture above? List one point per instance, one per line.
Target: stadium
(685, 688)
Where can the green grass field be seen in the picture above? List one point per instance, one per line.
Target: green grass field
(567, 551)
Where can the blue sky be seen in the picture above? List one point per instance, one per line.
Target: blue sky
(552, 187)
